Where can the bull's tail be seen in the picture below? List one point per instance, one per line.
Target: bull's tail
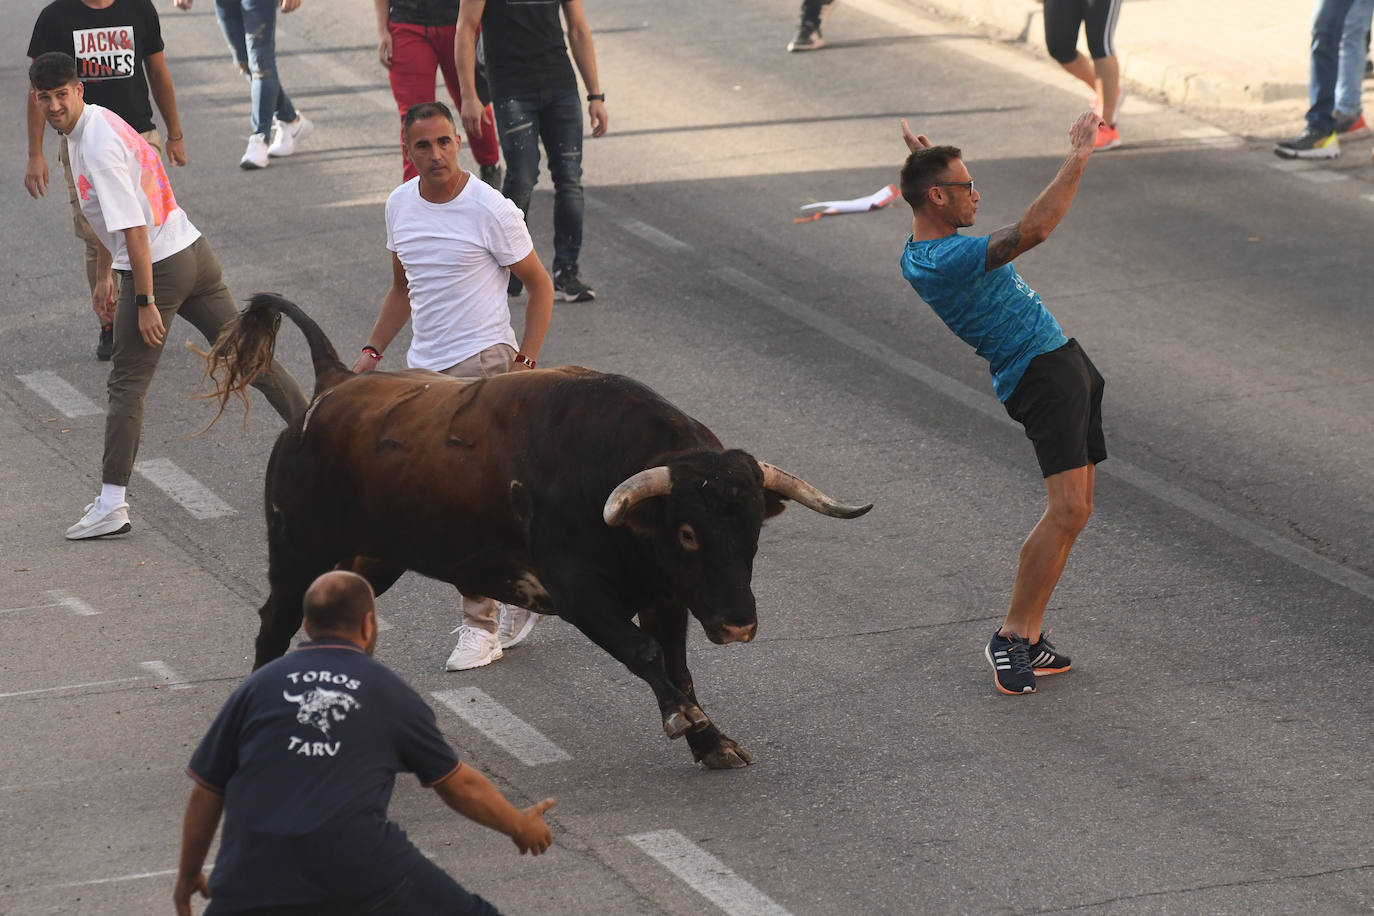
(245, 346)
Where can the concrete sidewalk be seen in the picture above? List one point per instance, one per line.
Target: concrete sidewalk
(1215, 53)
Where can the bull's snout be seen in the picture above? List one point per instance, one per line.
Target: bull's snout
(727, 633)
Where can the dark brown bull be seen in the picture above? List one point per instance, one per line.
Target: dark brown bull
(566, 491)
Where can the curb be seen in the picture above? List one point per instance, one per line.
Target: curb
(1022, 21)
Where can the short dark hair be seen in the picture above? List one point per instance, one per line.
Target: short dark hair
(52, 71)
(425, 110)
(922, 169)
(337, 602)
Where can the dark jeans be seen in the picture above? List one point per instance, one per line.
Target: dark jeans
(555, 117)
(427, 891)
(1328, 21)
(811, 11)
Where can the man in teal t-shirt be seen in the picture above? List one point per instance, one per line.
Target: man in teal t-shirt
(1045, 381)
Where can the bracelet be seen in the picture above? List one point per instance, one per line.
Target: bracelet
(174, 139)
(524, 360)
(372, 352)
(596, 97)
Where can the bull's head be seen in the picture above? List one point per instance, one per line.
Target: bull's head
(703, 512)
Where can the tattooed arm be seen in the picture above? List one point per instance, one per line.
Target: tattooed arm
(1049, 208)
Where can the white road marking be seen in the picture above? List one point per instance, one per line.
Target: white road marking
(985, 403)
(520, 739)
(52, 388)
(191, 494)
(655, 237)
(59, 599)
(1368, 197)
(143, 874)
(705, 874)
(163, 670)
(25, 693)
(1321, 176)
(382, 625)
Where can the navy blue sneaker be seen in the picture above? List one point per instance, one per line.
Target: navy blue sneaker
(1046, 659)
(1009, 657)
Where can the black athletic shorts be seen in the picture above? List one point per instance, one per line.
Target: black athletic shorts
(1059, 402)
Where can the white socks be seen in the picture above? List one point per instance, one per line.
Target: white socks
(111, 495)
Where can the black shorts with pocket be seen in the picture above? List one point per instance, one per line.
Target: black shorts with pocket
(1059, 402)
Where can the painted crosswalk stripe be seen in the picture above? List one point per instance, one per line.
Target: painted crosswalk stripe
(52, 388)
(191, 494)
(164, 671)
(705, 874)
(505, 729)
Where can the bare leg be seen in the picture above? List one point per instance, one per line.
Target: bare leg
(1046, 549)
(1108, 84)
(1082, 67)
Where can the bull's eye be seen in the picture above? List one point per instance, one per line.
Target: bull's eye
(688, 538)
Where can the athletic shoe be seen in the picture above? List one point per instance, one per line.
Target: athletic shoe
(1108, 137)
(514, 287)
(255, 157)
(288, 135)
(1046, 659)
(809, 38)
(98, 522)
(1309, 146)
(104, 348)
(516, 624)
(1009, 657)
(491, 174)
(567, 287)
(475, 648)
(1351, 126)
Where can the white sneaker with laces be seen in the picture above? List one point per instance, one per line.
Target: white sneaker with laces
(288, 135)
(255, 157)
(516, 624)
(99, 521)
(475, 648)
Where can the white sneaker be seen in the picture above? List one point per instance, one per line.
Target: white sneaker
(99, 522)
(255, 157)
(516, 623)
(475, 648)
(288, 135)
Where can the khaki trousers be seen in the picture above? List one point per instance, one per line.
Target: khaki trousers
(80, 227)
(188, 284)
(483, 613)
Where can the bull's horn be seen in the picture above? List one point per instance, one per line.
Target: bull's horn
(653, 482)
(784, 484)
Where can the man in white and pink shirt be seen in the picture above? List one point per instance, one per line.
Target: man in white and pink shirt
(166, 265)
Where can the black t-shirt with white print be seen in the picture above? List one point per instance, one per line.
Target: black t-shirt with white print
(306, 753)
(110, 46)
(525, 51)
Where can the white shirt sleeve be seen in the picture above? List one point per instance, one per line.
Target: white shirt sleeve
(508, 236)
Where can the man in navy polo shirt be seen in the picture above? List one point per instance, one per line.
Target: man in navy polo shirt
(301, 762)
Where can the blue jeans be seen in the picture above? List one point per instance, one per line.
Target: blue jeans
(1328, 20)
(1350, 78)
(555, 117)
(250, 27)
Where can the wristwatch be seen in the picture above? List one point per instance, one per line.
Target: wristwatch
(596, 97)
(142, 300)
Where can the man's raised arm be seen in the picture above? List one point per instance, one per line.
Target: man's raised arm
(1049, 208)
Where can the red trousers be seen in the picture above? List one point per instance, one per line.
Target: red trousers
(417, 52)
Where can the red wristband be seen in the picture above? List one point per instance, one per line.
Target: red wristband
(372, 352)
(524, 360)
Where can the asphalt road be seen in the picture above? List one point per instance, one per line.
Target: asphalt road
(1209, 752)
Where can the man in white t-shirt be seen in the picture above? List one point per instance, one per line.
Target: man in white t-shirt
(166, 265)
(454, 244)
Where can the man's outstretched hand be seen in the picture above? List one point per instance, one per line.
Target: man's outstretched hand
(916, 141)
(1083, 133)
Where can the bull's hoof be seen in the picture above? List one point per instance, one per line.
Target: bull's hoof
(683, 720)
(728, 755)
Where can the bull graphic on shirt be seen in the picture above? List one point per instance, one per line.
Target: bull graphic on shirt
(322, 708)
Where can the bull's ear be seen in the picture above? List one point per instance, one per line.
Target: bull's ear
(772, 504)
